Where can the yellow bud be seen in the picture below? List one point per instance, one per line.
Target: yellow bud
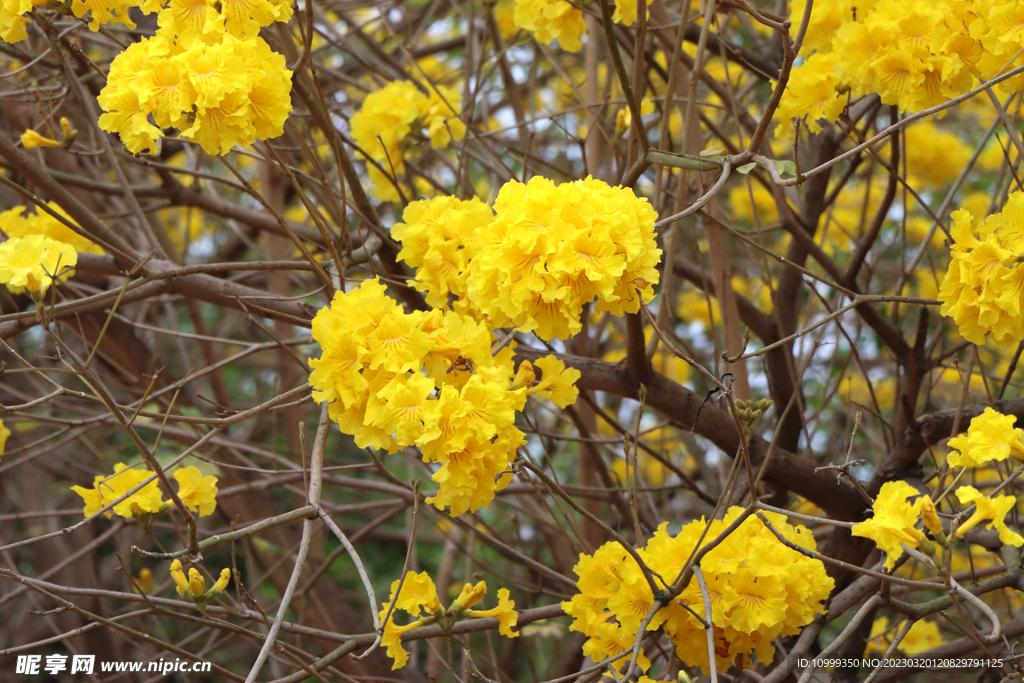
(65, 126)
(525, 377)
(179, 577)
(222, 581)
(471, 595)
(145, 580)
(931, 520)
(196, 582)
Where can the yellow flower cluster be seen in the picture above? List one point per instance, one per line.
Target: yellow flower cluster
(419, 594)
(13, 19)
(759, 588)
(552, 249)
(17, 223)
(396, 379)
(193, 587)
(34, 263)
(438, 239)
(982, 289)
(914, 53)
(197, 492)
(552, 20)
(388, 117)
(206, 72)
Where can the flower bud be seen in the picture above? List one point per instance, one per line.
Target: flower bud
(195, 582)
(179, 577)
(222, 583)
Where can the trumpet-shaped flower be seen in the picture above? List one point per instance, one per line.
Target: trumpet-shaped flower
(30, 139)
(197, 492)
(106, 490)
(893, 521)
(991, 436)
(417, 594)
(504, 613)
(992, 509)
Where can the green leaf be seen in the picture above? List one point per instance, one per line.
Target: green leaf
(712, 152)
(746, 168)
(784, 167)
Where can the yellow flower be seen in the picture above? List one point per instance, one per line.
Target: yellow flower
(991, 509)
(12, 21)
(990, 436)
(934, 155)
(34, 263)
(557, 383)
(753, 602)
(418, 592)
(552, 20)
(441, 116)
(197, 493)
(191, 21)
(31, 139)
(106, 490)
(392, 640)
(220, 89)
(214, 72)
(893, 521)
(126, 116)
(812, 93)
(505, 613)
